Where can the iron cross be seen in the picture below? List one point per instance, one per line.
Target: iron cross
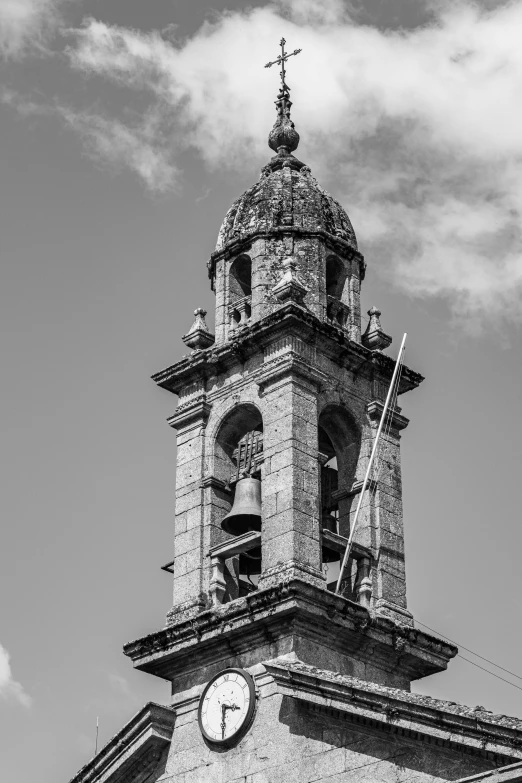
(281, 60)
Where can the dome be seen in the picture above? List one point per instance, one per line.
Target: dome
(286, 196)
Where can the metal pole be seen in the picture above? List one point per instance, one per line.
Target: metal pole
(96, 746)
(370, 463)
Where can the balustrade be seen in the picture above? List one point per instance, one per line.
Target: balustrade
(337, 313)
(239, 312)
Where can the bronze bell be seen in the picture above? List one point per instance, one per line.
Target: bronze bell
(245, 514)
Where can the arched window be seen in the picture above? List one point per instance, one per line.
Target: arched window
(240, 278)
(335, 277)
(238, 454)
(240, 292)
(336, 311)
(339, 444)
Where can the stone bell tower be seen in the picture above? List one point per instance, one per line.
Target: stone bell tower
(276, 419)
(275, 423)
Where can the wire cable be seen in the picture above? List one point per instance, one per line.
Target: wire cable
(492, 673)
(470, 651)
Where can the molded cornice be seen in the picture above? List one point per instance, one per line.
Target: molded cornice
(136, 751)
(243, 243)
(288, 319)
(396, 711)
(290, 609)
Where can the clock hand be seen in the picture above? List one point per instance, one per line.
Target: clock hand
(224, 708)
(223, 720)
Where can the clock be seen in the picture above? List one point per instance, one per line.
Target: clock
(227, 706)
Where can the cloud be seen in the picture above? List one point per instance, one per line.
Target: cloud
(22, 104)
(137, 144)
(9, 688)
(26, 25)
(418, 131)
(141, 146)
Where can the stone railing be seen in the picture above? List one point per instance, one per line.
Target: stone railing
(222, 552)
(362, 585)
(239, 312)
(337, 313)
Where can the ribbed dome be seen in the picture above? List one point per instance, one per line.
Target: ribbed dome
(286, 196)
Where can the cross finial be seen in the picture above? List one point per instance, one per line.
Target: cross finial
(281, 60)
(283, 137)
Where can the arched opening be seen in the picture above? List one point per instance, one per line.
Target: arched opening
(238, 457)
(240, 278)
(335, 277)
(339, 445)
(336, 311)
(240, 292)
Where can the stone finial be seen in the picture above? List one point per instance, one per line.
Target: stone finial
(198, 336)
(374, 337)
(283, 137)
(290, 287)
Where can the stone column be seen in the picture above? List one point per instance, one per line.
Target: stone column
(290, 490)
(221, 323)
(380, 524)
(189, 594)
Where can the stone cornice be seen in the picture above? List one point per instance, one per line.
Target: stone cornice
(399, 711)
(137, 748)
(294, 607)
(375, 409)
(211, 482)
(195, 412)
(243, 243)
(202, 365)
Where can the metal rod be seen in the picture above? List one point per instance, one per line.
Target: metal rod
(96, 746)
(370, 463)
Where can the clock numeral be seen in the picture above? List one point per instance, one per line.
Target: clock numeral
(226, 677)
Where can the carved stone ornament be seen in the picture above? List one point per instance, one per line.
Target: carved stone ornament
(199, 337)
(374, 337)
(283, 135)
(290, 287)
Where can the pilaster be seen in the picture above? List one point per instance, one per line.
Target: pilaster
(291, 541)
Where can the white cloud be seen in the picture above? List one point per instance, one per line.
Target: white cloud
(26, 24)
(140, 146)
(22, 104)
(419, 131)
(9, 688)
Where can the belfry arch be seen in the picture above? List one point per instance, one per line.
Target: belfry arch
(237, 460)
(240, 291)
(335, 277)
(339, 443)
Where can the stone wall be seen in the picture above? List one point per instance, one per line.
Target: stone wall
(292, 741)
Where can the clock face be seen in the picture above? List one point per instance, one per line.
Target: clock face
(227, 705)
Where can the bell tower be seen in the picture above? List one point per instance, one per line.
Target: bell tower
(274, 676)
(276, 419)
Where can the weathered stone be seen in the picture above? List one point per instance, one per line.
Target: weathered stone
(289, 394)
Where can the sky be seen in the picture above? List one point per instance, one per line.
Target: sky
(127, 131)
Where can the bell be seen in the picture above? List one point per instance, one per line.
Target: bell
(245, 514)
